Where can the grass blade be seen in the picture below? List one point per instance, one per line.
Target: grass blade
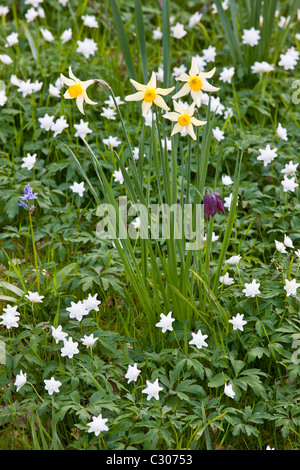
(229, 31)
(229, 224)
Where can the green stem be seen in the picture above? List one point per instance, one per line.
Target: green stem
(35, 391)
(34, 249)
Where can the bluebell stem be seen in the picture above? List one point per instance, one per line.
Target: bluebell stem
(29, 194)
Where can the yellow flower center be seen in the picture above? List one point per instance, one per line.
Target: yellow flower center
(150, 95)
(75, 90)
(195, 83)
(184, 120)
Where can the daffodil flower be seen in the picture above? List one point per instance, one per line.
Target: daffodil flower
(184, 119)
(195, 83)
(77, 89)
(149, 94)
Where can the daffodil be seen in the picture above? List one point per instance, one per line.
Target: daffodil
(77, 89)
(184, 119)
(195, 83)
(149, 94)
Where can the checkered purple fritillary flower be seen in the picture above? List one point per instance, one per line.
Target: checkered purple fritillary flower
(212, 203)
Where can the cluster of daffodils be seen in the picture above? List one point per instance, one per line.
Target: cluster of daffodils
(194, 83)
(180, 74)
(149, 94)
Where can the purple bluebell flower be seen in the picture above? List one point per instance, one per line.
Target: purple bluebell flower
(212, 203)
(28, 194)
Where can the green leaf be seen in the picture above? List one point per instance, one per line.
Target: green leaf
(230, 32)
(31, 42)
(11, 287)
(218, 380)
(141, 37)
(97, 397)
(257, 352)
(237, 366)
(123, 41)
(166, 41)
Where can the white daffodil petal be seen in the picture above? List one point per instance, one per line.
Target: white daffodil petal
(190, 110)
(164, 91)
(79, 102)
(71, 74)
(190, 131)
(184, 91)
(159, 101)
(138, 86)
(194, 70)
(172, 116)
(145, 107)
(88, 100)
(152, 82)
(208, 87)
(87, 83)
(196, 95)
(179, 109)
(177, 128)
(183, 77)
(207, 74)
(67, 96)
(196, 122)
(67, 81)
(135, 96)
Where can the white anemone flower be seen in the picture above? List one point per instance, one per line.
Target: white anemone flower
(195, 83)
(77, 89)
(184, 119)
